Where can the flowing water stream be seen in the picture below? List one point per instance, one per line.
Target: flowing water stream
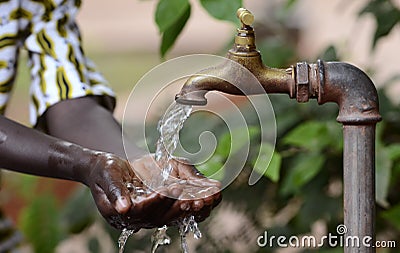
(168, 127)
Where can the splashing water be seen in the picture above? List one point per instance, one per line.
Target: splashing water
(168, 127)
(188, 224)
(159, 237)
(123, 238)
(135, 190)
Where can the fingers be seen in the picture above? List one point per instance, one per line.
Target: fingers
(205, 183)
(179, 209)
(186, 171)
(175, 190)
(102, 202)
(203, 214)
(198, 205)
(106, 208)
(122, 204)
(150, 208)
(118, 194)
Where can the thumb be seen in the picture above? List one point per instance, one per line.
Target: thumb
(119, 196)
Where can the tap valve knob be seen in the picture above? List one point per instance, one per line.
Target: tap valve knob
(245, 16)
(245, 38)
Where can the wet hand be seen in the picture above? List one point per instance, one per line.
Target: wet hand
(106, 176)
(126, 202)
(185, 192)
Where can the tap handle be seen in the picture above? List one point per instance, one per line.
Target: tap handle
(245, 17)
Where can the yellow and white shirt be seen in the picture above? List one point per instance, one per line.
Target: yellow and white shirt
(58, 66)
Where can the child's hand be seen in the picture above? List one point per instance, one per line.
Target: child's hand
(107, 175)
(126, 202)
(186, 192)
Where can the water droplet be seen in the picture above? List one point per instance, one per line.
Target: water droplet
(3, 137)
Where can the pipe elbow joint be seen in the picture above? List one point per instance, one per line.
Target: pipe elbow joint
(351, 89)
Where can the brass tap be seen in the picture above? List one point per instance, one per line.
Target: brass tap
(245, 53)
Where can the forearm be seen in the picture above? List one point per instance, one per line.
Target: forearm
(29, 151)
(83, 121)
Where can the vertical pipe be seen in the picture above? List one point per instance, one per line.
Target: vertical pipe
(359, 187)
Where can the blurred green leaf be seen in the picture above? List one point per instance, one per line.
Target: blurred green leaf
(393, 216)
(269, 168)
(311, 135)
(39, 223)
(382, 175)
(171, 33)
(394, 151)
(310, 212)
(222, 9)
(290, 3)
(94, 245)
(24, 185)
(169, 12)
(276, 53)
(330, 54)
(213, 167)
(224, 145)
(306, 166)
(73, 220)
(233, 141)
(386, 14)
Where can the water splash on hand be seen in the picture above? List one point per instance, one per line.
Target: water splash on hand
(125, 234)
(159, 238)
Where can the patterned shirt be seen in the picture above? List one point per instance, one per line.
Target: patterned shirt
(59, 68)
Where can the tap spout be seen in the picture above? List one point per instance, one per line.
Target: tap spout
(240, 74)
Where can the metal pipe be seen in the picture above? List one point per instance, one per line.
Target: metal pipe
(359, 187)
(356, 96)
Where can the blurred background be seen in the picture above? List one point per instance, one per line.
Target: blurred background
(304, 195)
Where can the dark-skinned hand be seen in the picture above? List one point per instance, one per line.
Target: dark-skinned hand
(107, 179)
(186, 192)
(126, 202)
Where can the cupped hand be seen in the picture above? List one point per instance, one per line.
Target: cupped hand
(185, 192)
(107, 176)
(131, 196)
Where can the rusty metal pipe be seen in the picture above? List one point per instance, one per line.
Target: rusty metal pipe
(356, 96)
(351, 89)
(359, 187)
